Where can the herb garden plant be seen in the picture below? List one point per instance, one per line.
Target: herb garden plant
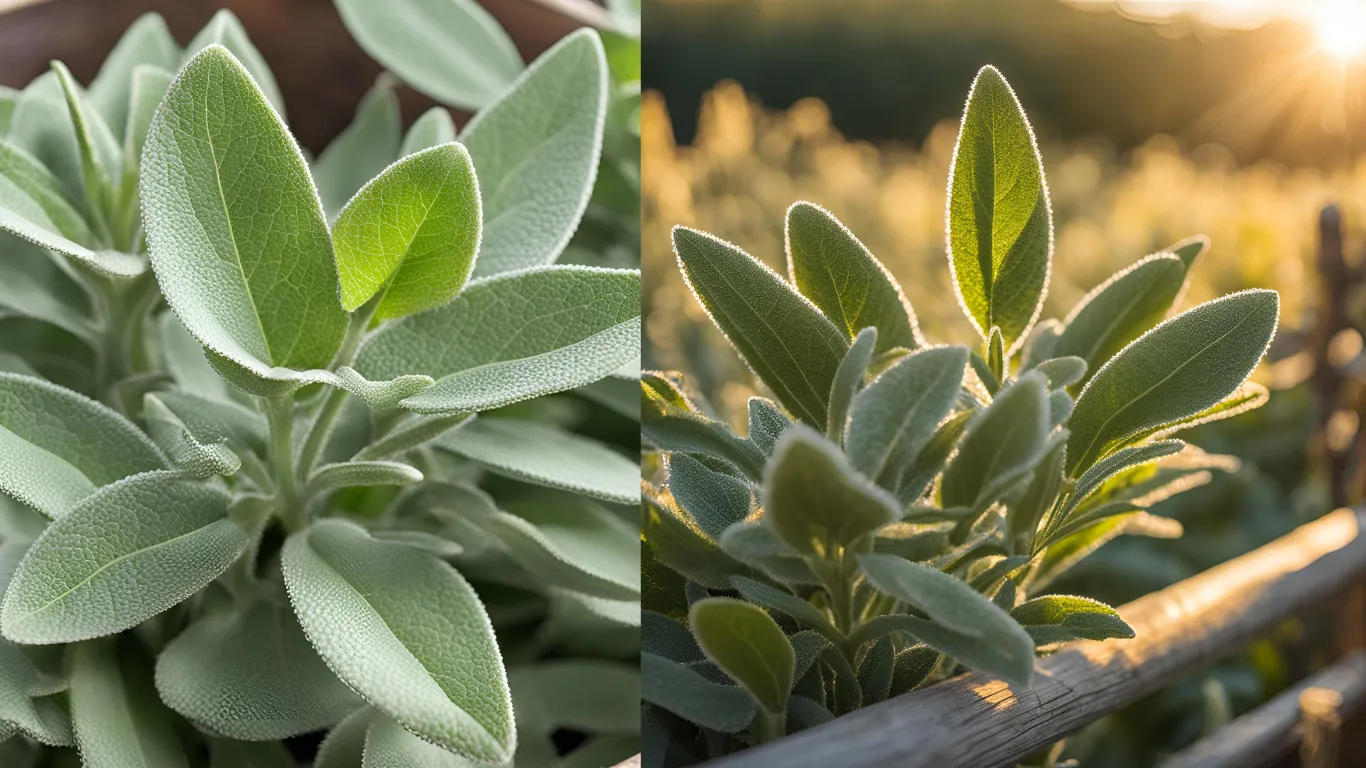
(899, 509)
(291, 448)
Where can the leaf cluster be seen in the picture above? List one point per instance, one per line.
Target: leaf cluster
(899, 509)
(293, 445)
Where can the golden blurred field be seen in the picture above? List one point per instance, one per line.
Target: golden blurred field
(749, 163)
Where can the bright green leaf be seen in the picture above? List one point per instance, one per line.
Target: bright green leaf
(1121, 309)
(748, 645)
(1004, 442)
(1062, 618)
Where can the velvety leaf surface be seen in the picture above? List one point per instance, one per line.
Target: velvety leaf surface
(25, 690)
(234, 226)
(57, 447)
(848, 380)
(389, 745)
(748, 645)
(783, 337)
(1062, 618)
(119, 721)
(407, 632)
(147, 41)
(545, 455)
(513, 337)
(120, 556)
(30, 191)
(837, 273)
(715, 500)
(680, 690)
(1000, 225)
(536, 152)
(226, 30)
(1003, 440)
(433, 127)
(1121, 309)
(410, 234)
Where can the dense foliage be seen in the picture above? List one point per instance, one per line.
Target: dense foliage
(289, 447)
(899, 509)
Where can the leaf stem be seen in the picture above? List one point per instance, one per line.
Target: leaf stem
(332, 405)
(280, 415)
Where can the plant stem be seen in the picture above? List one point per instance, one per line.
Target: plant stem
(322, 426)
(280, 414)
(770, 725)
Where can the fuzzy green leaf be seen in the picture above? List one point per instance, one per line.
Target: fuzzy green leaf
(119, 557)
(747, 644)
(101, 159)
(119, 721)
(1062, 371)
(360, 152)
(715, 500)
(248, 672)
(766, 424)
(671, 423)
(57, 447)
(25, 690)
(1121, 309)
(1062, 618)
(814, 501)
(352, 474)
(1000, 223)
(434, 127)
(783, 337)
(848, 380)
(389, 745)
(513, 337)
(202, 460)
(226, 30)
(544, 455)
(838, 274)
(536, 152)
(680, 690)
(1183, 366)
(1004, 441)
(149, 86)
(29, 190)
(407, 632)
(451, 50)
(146, 42)
(235, 229)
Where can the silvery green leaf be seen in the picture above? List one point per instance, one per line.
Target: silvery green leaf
(226, 30)
(435, 545)
(997, 644)
(147, 41)
(714, 500)
(1060, 405)
(912, 667)
(378, 395)
(29, 190)
(429, 658)
(247, 672)
(80, 582)
(57, 447)
(837, 273)
(1062, 371)
(101, 156)
(350, 474)
(225, 228)
(1004, 440)
(360, 152)
(185, 361)
(513, 337)
(988, 378)
(149, 85)
(410, 234)
(617, 394)
(1121, 309)
(119, 721)
(848, 380)
(785, 602)
(766, 424)
(536, 152)
(434, 127)
(815, 501)
(895, 417)
(1248, 396)
(1070, 521)
(9, 98)
(586, 695)
(1041, 342)
(1000, 224)
(683, 549)
(345, 744)
(412, 433)
(680, 690)
(198, 459)
(747, 644)
(24, 688)
(917, 477)
(105, 262)
(672, 423)
(1063, 618)
(758, 546)
(1024, 515)
(451, 50)
(875, 671)
(389, 745)
(1125, 458)
(544, 455)
(665, 637)
(1183, 366)
(780, 335)
(19, 523)
(213, 421)
(35, 286)
(41, 126)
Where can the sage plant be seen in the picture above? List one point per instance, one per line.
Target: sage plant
(899, 508)
(290, 448)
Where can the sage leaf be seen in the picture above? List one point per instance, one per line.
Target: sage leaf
(672, 423)
(226, 30)
(117, 717)
(1190, 249)
(848, 380)
(426, 654)
(536, 151)
(410, 435)
(893, 419)
(912, 668)
(766, 424)
(714, 500)
(350, 474)
(1024, 515)
(758, 546)
(580, 694)
(1004, 441)
(1063, 618)
(213, 421)
(1062, 371)
(433, 127)
(101, 160)
(1000, 223)
(105, 262)
(512, 337)
(360, 152)
(29, 190)
(544, 455)
(57, 447)
(665, 637)
(780, 335)
(875, 671)
(461, 57)
(1003, 647)
(79, 582)
(248, 672)
(198, 459)
(838, 274)
(41, 125)
(149, 85)
(917, 477)
(1179, 368)
(389, 745)
(1121, 309)
(36, 286)
(410, 234)
(784, 602)
(237, 238)
(146, 42)
(1093, 478)
(748, 645)
(678, 689)
(344, 745)
(814, 501)
(25, 690)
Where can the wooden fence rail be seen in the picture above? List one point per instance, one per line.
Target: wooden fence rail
(978, 721)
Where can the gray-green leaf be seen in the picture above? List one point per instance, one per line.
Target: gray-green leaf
(147, 41)
(815, 501)
(545, 455)
(1004, 441)
(434, 127)
(226, 30)
(118, 719)
(680, 690)
(748, 645)
(357, 155)
(1121, 309)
